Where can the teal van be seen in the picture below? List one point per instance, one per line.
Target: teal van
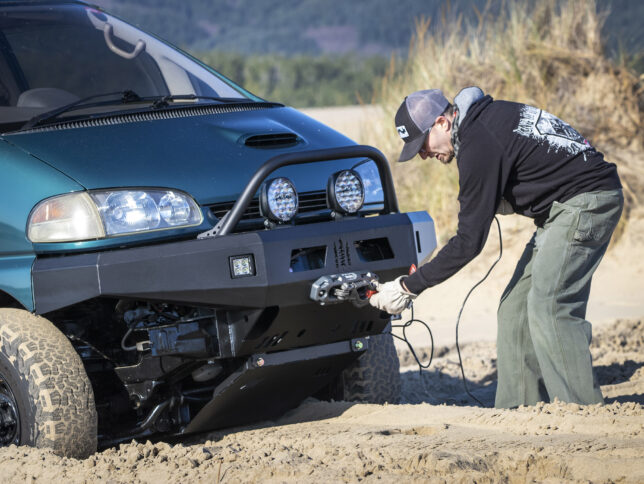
(177, 254)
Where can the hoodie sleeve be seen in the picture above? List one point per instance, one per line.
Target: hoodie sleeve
(479, 169)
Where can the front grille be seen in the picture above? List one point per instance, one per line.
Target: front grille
(312, 201)
(308, 202)
(221, 209)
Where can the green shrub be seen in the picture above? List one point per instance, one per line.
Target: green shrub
(301, 81)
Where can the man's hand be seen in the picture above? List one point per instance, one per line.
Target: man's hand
(391, 297)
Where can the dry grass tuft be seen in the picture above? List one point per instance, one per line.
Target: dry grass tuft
(548, 54)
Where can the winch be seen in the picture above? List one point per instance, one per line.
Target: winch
(355, 287)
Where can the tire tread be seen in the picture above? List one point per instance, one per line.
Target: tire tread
(58, 386)
(375, 376)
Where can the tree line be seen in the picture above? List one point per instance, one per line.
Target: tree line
(302, 81)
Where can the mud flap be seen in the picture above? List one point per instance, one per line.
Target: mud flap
(269, 384)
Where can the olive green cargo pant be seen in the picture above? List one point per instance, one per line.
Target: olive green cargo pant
(543, 337)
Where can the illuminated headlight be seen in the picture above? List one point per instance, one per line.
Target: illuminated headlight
(99, 214)
(345, 192)
(278, 200)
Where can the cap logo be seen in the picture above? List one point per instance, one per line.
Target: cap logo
(402, 131)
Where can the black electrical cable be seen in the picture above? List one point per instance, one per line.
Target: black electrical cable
(404, 327)
(412, 320)
(458, 319)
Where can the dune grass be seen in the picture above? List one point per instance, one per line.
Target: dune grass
(548, 54)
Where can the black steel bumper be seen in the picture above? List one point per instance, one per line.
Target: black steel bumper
(270, 311)
(198, 272)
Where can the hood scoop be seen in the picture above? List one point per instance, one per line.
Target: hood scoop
(272, 140)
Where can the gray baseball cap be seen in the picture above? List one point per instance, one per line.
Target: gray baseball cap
(415, 118)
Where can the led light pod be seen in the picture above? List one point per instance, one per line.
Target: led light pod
(278, 200)
(242, 265)
(345, 192)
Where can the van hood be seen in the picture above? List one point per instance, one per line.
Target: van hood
(210, 156)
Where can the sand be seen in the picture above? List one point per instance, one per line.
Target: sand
(437, 433)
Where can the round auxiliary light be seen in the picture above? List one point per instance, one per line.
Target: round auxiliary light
(278, 200)
(346, 192)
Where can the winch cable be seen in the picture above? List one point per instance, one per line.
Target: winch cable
(412, 320)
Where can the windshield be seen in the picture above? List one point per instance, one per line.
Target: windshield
(55, 55)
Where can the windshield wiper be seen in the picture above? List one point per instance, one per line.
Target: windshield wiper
(127, 96)
(164, 101)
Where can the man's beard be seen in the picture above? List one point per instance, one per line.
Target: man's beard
(448, 160)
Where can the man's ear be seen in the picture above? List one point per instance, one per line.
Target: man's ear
(444, 123)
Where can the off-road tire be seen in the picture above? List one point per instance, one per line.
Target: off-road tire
(375, 376)
(54, 396)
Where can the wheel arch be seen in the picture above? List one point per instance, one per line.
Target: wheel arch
(8, 301)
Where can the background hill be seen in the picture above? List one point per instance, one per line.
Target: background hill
(286, 27)
(315, 27)
(308, 53)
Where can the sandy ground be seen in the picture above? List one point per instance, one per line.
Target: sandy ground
(437, 433)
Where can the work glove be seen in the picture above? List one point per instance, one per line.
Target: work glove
(391, 297)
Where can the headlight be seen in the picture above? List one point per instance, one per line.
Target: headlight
(129, 211)
(345, 192)
(175, 209)
(103, 213)
(65, 218)
(278, 200)
(125, 212)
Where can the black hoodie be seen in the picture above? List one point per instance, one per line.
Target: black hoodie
(522, 154)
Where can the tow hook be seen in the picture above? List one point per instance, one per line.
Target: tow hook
(355, 287)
